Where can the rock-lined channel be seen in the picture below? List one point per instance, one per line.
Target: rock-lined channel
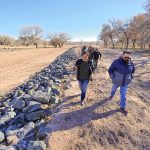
(25, 111)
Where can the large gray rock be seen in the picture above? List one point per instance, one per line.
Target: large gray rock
(4, 147)
(19, 104)
(32, 106)
(46, 78)
(45, 83)
(51, 78)
(13, 127)
(22, 144)
(29, 85)
(2, 136)
(38, 115)
(40, 88)
(19, 93)
(48, 90)
(41, 97)
(14, 100)
(34, 81)
(35, 87)
(22, 132)
(35, 108)
(19, 119)
(55, 89)
(36, 145)
(7, 117)
(54, 99)
(27, 98)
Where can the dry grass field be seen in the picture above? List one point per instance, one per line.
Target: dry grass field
(17, 65)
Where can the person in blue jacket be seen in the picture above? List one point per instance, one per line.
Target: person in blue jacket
(121, 73)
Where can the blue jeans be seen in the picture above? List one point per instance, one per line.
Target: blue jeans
(83, 84)
(123, 91)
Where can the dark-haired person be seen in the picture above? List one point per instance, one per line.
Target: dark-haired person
(83, 49)
(90, 50)
(121, 72)
(96, 55)
(84, 69)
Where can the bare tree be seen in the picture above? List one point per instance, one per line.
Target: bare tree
(120, 41)
(135, 23)
(6, 40)
(58, 39)
(104, 35)
(30, 35)
(64, 37)
(143, 31)
(109, 31)
(135, 31)
(147, 6)
(125, 29)
(53, 39)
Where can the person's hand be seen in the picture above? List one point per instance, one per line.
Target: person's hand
(75, 68)
(91, 79)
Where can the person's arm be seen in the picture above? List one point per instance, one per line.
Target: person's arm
(100, 55)
(92, 69)
(76, 65)
(92, 66)
(112, 69)
(92, 55)
(74, 68)
(133, 70)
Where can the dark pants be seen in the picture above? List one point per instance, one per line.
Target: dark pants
(83, 84)
(95, 61)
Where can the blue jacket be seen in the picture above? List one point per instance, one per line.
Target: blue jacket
(120, 72)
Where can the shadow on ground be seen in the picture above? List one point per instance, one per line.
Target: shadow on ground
(66, 121)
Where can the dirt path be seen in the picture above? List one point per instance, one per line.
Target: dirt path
(17, 66)
(99, 124)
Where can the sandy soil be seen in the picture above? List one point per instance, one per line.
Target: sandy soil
(17, 66)
(99, 124)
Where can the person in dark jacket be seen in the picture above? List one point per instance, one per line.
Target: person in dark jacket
(90, 50)
(121, 72)
(84, 69)
(83, 49)
(96, 55)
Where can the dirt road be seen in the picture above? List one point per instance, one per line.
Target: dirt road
(17, 66)
(99, 124)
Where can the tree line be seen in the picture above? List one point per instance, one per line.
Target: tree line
(127, 34)
(32, 35)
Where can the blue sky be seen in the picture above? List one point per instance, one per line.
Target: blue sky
(82, 19)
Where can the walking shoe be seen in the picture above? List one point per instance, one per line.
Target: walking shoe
(110, 97)
(124, 111)
(82, 103)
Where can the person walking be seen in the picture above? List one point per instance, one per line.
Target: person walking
(90, 50)
(83, 49)
(84, 68)
(96, 55)
(121, 72)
